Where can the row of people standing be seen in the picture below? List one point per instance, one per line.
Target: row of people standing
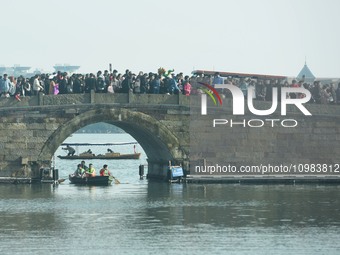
(11, 86)
(263, 88)
(106, 82)
(62, 83)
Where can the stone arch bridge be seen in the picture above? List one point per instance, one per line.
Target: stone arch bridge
(31, 130)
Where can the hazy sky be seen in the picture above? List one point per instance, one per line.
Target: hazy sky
(264, 36)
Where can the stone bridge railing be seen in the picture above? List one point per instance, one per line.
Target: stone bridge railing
(96, 98)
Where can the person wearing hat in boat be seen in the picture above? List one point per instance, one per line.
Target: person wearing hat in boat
(70, 150)
(91, 171)
(104, 171)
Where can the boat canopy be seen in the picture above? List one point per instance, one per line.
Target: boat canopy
(97, 144)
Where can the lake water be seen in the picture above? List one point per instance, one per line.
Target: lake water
(141, 217)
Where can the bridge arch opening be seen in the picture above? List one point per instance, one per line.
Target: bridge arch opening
(158, 142)
(100, 138)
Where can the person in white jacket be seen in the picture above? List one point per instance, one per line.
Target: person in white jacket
(36, 85)
(5, 85)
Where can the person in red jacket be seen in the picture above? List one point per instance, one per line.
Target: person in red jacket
(104, 171)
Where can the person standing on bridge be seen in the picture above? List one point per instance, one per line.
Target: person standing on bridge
(36, 85)
(217, 79)
(173, 85)
(155, 84)
(5, 85)
(186, 86)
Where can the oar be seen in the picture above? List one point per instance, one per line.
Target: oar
(116, 180)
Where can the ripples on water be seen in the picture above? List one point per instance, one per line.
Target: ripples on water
(138, 217)
(142, 218)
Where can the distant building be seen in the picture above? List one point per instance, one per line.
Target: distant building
(15, 70)
(20, 70)
(66, 68)
(306, 74)
(3, 70)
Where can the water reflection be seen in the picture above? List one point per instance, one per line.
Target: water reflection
(27, 208)
(208, 218)
(243, 205)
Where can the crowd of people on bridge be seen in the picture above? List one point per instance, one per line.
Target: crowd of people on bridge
(160, 82)
(321, 92)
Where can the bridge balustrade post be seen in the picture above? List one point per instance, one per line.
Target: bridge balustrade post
(92, 97)
(40, 98)
(182, 99)
(130, 97)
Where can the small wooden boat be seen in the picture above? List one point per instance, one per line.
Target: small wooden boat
(109, 155)
(94, 181)
(114, 155)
